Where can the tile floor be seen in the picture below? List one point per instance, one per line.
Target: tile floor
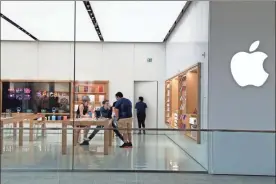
(150, 152)
(126, 178)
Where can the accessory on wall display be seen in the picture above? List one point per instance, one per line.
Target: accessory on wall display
(92, 98)
(27, 97)
(192, 121)
(27, 90)
(101, 89)
(54, 109)
(19, 90)
(11, 96)
(29, 111)
(38, 94)
(18, 109)
(18, 97)
(85, 89)
(101, 98)
(53, 118)
(64, 103)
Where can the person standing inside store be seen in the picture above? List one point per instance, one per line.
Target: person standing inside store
(82, 112)
(123, 110)
(105, 112)
(114, 123)
(141, 107)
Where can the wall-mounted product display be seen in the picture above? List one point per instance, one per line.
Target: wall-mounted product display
(168, 102)
(35, 96)
(175, 120)
(97, 91)
(185, 101)
(171, 98)
(50, 97)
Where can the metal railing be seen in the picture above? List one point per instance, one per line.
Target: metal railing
(148, 129)
(28, 156)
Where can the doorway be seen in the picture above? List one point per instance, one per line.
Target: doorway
(148, 90)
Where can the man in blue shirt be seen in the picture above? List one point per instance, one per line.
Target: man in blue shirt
(141, 113)
(123, 111)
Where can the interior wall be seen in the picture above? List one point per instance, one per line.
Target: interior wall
(119, 63)
(148, 90)
(187, 46)
(234, 26)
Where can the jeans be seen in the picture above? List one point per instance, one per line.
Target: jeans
(116, 131)
(141, 120)
(95, 132)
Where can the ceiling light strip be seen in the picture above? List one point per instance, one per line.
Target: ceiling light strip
(186, 6)
(93, 19)
(18, 27)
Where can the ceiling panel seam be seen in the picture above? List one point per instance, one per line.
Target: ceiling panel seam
(93, 19)
(18, 27)
(184, 9)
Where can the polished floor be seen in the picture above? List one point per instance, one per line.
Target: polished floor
(150, 152)
(126, 178)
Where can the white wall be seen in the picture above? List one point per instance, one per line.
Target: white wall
(234, 26)
(120, 63)
(184, 49)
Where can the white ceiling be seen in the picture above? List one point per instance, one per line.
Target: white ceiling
(10, 32)
(119, 21)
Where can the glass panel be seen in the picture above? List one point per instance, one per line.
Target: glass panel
(36, 87)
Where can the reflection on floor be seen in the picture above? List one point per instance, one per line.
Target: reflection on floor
(126, 178)
(150, 152)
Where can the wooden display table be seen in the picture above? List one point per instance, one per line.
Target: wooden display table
(16, 118)
(83, 122)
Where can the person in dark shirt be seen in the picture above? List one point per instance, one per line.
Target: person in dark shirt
(123, 110)
(82, 112)
(141, 113)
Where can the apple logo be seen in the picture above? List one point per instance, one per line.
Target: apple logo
(247, 68)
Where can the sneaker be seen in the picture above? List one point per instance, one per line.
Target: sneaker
(125, 145)
(144, 132)
(85, 143)
(139, 132)
(129, 144)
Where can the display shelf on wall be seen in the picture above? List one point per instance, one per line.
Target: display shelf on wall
(186, 101)
(97, 91)
(171, 102)
(168, 113)
(29, 93)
